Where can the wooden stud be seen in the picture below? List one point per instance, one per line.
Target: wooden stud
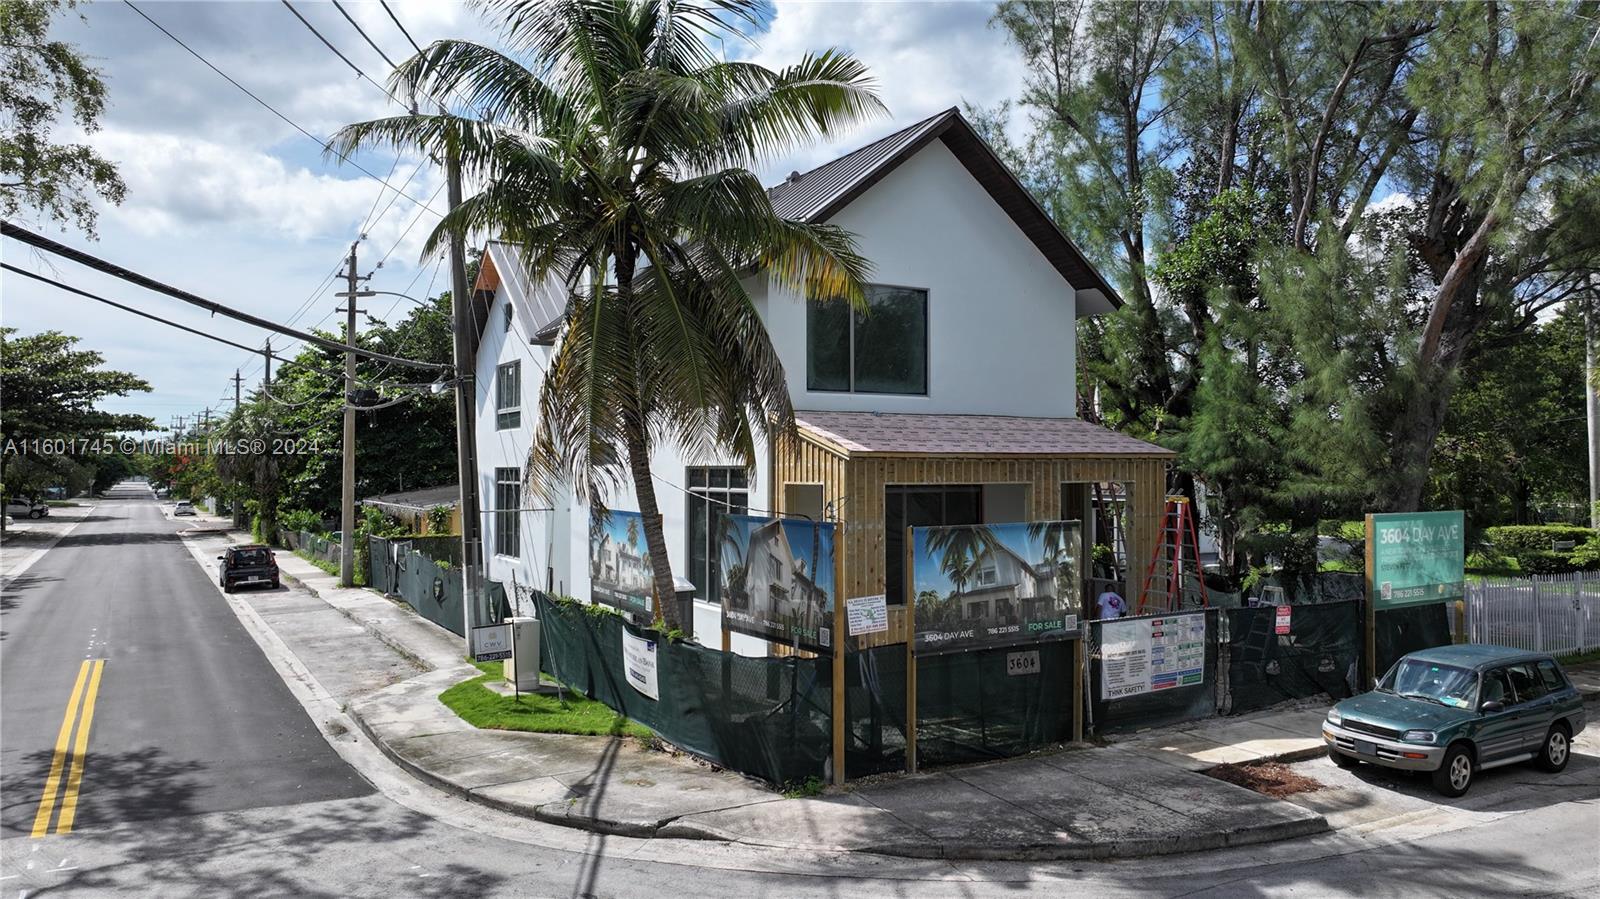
(1372, 613)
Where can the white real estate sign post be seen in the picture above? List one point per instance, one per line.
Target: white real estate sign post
(491, 643)
(1146, 655)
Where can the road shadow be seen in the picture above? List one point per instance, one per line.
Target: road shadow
(1412, 869)
(150, 784)
(15, 592)
(276, 852)
(1506, 787)
(124, 538)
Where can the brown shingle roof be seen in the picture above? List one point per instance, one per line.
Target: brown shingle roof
(970, 435)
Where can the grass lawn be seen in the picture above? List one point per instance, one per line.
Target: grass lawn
(329, 567)
(572, 713)
(1592, 655)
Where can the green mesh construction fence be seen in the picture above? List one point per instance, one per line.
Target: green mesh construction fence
(875, 699)
(410, 569)
(1321, 653)
(993, 703)
(1408, 629)
(768, 717)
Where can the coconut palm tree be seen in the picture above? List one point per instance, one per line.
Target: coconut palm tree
(959, 548)
(614, 147)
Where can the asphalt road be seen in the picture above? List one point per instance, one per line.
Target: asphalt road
(204, 776)
(184, 715)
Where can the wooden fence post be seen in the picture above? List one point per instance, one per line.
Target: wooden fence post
(841, 645)
(911, 656)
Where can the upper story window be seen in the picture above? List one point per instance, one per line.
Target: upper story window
(508, 313)
(508, 395)
(884, 350)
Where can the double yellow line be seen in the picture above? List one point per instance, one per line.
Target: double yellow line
(70, 753)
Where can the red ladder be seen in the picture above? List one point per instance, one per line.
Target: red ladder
(1175, 564)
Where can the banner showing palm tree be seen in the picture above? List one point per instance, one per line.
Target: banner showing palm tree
(619, 571)
(996, 584)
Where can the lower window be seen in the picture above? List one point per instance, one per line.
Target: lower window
(713, 492)
(507, 514)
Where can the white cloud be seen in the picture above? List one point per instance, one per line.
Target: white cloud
(182, 185)
(926, 57)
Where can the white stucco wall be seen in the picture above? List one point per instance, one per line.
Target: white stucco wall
(554, 545)
(1000, 335)
(541, 532)
(1001, 339)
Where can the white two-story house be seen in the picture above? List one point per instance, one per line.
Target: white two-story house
(953, 402)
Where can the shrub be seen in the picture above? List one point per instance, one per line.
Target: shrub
(439, 520)
(1514, 540)
(1544, 562)
(1587, 555)
(301, 520)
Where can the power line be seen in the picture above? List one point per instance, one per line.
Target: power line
(363, 33)
(270, 108)
(337, 52)
(44, 243)
(395, 19)
(142, 314)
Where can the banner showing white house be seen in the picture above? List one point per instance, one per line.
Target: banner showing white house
(777, 579)
(619, 565)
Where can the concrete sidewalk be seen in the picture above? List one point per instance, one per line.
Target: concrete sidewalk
(1139, 797)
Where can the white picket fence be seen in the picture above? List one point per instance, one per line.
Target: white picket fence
(1558, 613)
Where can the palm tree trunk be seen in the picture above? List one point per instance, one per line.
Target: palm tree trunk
(655, 539)
(644, 486)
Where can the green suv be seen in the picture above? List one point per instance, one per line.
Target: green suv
(1457, 710)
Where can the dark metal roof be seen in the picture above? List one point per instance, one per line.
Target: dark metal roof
(427, 498)
(817, 195)
(814, 195)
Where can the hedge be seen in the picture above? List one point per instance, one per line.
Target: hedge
(1514, 540)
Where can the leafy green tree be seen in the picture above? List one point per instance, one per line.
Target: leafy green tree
(50, 390)
(42, 80)
(614, 147)
(1513, 441)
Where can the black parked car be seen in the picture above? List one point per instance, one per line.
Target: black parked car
(251, 564)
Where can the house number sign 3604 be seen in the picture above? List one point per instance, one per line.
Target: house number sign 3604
(1022, 662)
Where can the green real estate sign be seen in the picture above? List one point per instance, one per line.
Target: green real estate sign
(1415, 558)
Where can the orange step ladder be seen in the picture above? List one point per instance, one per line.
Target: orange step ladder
(1175, 564)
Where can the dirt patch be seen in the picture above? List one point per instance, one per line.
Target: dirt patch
(1273, 779)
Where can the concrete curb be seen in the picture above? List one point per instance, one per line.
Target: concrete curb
(412, 768)
(568, 814)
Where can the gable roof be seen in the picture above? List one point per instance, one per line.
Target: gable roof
(817, 195)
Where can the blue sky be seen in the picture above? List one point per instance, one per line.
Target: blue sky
(228, 201)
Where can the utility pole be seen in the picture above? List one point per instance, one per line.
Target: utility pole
(237, 380)
(465, 358)
(266, 374)
(1591, 337)
(347, 505)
